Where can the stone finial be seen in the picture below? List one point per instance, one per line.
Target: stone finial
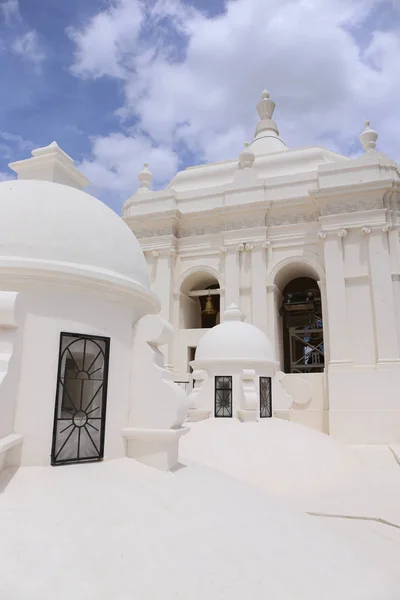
(265, 109)
(233, 313)
(246, 157)
(265, 106)
(368, 137)
(145, 179)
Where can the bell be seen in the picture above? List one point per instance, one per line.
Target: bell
(209, 307)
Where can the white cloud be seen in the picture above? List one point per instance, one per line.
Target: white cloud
(198, 83)
(13, 147)
(29, 47)
(9, 10)
(117, 159)
(103, 44)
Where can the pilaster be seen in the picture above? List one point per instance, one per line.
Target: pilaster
(232, 274)
(258, 283)
(387, 344)
(339, 350)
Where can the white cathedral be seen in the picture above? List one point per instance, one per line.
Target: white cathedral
(306, 243)
(211, 412)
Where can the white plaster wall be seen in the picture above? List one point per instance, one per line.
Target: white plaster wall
(365, 405)
(47, 313)
(10, 359)
(310, 403)
(205, 400)
(185, 338)
(360, 321)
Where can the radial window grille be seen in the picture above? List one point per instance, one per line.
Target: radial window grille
(265, 397)
(80, 408)
(223, 396)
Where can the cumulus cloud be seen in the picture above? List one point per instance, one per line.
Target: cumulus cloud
(117, 159)
(9, 10)
(13, 147)
(193, 81)
(106, 42)
(28, 46)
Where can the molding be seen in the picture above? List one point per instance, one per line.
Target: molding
(355, 220)
(9, 441)
(351, 189)
(357, 277)
(138, 433)
(20, 274)
(292, 218)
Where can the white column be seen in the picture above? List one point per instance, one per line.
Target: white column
(232, 275)
(259, 286)
(339, 350)
(383, 295)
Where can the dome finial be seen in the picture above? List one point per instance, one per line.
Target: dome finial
(246, 157)
(266, 137)
(233, 313)
(265, 106)
(368, 137)
(145, 179)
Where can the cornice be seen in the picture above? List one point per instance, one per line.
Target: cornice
(368, 218)
(22, 274)
(323, 193)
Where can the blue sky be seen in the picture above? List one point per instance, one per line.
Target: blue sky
(120, 82)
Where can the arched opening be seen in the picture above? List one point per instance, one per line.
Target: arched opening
(199, 301)
(302, 326)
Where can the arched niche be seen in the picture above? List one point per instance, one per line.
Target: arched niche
(299, 308)
(199, 304)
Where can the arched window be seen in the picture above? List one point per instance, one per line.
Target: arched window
(199, 301)
(302, 326)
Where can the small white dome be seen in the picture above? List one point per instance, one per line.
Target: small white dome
(52, 226)
(234, 340)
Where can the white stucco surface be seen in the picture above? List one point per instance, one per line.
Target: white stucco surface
(122, 530)
(301, 465)
(254, 225)
(234, 340)
(49, 225)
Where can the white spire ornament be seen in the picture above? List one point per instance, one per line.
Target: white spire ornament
(145, 179)
(368, 137)
(265, 107)
(266, 140)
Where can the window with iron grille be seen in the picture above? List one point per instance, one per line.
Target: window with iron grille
(223, 396)
(265, 397)
(80, 408)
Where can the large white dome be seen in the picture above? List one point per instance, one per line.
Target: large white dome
(234, 340)
(48, 225)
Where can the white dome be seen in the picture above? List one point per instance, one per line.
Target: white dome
(234, 340)
(52, 226)
(122, 530)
